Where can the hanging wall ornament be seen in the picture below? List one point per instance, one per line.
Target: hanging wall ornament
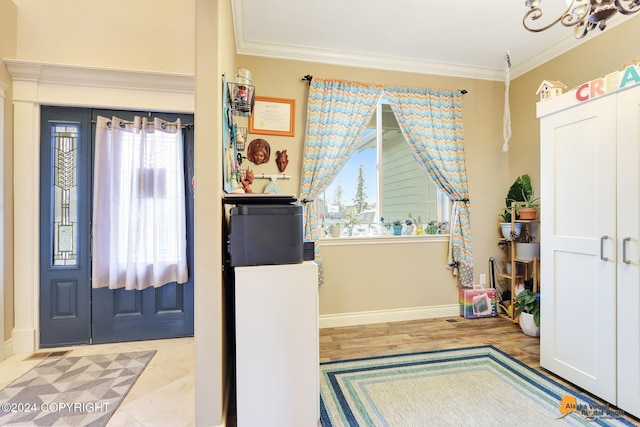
(507, 112)
(259, 151)
(282, 160)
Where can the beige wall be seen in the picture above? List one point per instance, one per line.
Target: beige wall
(8, 32)
(114, 34)
(602, 53)
(395, 277)
(215, 55)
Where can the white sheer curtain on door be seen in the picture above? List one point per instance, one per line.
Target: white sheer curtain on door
(139, 219)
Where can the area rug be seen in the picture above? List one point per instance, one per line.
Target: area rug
(72, 391)
(475, 386)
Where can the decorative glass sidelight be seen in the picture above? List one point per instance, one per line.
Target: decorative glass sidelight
(64, 138)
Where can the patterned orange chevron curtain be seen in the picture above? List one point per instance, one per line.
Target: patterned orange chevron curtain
(337, 114)
(431, 121)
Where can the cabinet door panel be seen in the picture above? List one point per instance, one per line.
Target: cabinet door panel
(578, 263)
(629, 242)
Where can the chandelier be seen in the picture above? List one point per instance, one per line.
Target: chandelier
(582, 15)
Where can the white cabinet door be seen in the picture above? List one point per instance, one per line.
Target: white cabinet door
(277, 354)
(578, 245)
(629, 251)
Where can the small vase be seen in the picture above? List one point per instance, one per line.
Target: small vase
(419, 230)
(397, 230)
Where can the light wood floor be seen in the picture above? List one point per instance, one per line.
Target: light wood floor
(435, 334)
(427, 335)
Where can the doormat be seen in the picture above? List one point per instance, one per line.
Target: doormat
(475, 386)
(72, 391)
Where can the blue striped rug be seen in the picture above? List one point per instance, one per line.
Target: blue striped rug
(475, 386)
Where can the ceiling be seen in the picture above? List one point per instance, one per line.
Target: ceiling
(464, 38)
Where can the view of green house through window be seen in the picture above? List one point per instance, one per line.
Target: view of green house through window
(381, 179)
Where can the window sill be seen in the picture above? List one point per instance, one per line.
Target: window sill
(382, 240)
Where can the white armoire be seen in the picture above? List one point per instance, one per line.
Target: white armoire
(590, 243)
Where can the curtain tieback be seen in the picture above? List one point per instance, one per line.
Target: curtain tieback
(461, 200)
(305, 201)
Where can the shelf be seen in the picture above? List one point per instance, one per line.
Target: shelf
(525, 268)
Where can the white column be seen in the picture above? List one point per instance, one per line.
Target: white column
(26, 119)
(2, 219)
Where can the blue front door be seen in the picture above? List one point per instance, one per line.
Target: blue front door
(71, 311)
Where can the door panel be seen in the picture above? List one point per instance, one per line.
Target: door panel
(71, 312)
(65, 181)
(153, 313)
(629, 250)
(578, 249)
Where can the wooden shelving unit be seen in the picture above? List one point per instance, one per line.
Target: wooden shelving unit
(520, 270)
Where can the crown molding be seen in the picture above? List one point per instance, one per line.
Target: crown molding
(84, 76)
(351, 59)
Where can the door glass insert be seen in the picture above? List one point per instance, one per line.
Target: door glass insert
(64, 138)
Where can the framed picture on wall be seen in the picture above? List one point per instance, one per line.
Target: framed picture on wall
(272, 116)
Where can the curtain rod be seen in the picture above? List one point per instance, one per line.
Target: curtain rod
(309, 77)
(186, 125)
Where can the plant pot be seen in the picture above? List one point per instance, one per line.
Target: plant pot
(528, 213)
(506, 229)
(335, 231)
(528, 325)
(397, 230)
(527, 251)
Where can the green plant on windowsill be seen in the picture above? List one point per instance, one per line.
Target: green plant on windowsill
(397, 222)
(527, 302)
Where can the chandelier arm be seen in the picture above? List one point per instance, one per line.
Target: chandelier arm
(627, 7)
(534, 13)
(568, 18)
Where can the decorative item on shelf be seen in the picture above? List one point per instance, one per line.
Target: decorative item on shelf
(335, 230)
(418, 223)
(528, 210)
(432, 227)
(241, 138)
(242, 94)
(397, 227)
(527, 308)
(582, 15)
(410, 227)
(526, 248)
(509, 231)
(550, 88)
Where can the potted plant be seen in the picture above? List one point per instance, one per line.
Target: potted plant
(526, 248)
(397, 227)
(527, 305)
(528, 209)
(409, 223)
(418, 223)
(506, 226)
(520, 190)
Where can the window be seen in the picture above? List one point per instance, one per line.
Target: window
(382, 178)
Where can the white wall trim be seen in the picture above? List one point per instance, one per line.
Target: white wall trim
(36, 84)
(382, 316)
(3, 352)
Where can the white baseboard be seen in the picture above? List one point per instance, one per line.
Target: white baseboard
(24, 340)
(382, 316)
(7, 349)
